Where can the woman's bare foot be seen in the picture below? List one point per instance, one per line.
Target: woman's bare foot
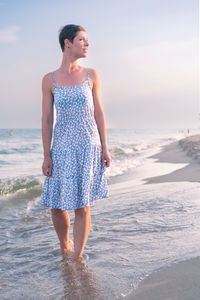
(68, 249)
(77, 258)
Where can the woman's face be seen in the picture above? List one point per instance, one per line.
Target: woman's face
(80, 44)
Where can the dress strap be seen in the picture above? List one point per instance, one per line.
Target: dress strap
(88, 74)
(88, 78)
(53, 78)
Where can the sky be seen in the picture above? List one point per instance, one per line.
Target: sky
(145, 51)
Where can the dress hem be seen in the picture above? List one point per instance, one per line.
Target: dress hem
(92, 202)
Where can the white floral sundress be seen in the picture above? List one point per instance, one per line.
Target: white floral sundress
(78, 177)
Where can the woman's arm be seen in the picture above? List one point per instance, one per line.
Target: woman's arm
(99, 116)
(47, 123)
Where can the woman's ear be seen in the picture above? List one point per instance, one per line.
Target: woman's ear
(67, 43)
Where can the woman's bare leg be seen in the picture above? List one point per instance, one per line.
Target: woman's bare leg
(61, 223)
(81, 229)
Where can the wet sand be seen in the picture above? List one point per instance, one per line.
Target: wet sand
(184, 152)
(179, 281)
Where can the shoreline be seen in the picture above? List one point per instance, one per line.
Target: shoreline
(179, 280)
(180, 152)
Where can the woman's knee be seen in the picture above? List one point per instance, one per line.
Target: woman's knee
(82, 211)
(57, 211)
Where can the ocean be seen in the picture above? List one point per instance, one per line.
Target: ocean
(139, 228)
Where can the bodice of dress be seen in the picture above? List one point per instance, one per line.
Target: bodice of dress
(75, 122)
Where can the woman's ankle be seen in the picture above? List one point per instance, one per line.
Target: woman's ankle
(77, 257)
(67, 245)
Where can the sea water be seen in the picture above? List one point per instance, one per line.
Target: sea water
(139, 228)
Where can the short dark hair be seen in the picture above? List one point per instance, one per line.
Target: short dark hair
(68, 32)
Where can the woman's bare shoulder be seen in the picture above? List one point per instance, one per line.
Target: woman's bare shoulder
(47, 81)
(94, 75)
(93, 72)
(47, 77)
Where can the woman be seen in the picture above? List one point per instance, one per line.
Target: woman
(74, 166)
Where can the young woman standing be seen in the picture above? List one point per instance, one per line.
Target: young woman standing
(75, 164)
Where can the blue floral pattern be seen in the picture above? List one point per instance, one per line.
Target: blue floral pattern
(78, 176)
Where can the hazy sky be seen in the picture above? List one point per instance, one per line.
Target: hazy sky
(146, 53)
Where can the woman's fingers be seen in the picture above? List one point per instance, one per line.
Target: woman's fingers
(47, 167)
(105, 160)
(50, 168)
(45, 171)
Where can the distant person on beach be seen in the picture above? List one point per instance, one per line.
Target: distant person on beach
(11, 132)
(75, 165)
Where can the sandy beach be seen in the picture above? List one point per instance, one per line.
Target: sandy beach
(180, 281)
(185, 151)
(177, 282)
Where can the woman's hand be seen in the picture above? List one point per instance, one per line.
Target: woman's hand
(47, 166)
(105, 157)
